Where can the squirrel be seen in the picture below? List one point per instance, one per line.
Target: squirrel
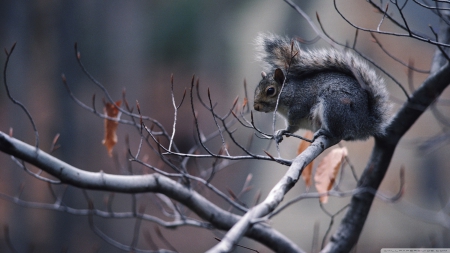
(330, 92)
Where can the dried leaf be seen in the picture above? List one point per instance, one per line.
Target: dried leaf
(307, 171)
(327, 171)
(111, 126)
(235, 102)
(231, 193)
(245, 102)
(269, 155)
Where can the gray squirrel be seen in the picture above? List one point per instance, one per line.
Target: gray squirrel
(331, 92)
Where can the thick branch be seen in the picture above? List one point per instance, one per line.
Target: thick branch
(68, 174)
(275, 196)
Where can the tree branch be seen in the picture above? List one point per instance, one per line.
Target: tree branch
(157, 183)
(275, 196)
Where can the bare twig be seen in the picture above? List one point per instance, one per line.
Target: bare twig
(175, 113)
(310, 22)
(275, 196)
(367, 59)
(22, 106)
(382, 19)
(36, 175)
(8, 239)
(409, 66)
(217, 125)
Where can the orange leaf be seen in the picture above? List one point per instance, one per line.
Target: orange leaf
(111, 126)
(307, 171)
(245, 102)
(327, 171)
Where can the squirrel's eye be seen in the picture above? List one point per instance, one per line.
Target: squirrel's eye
(270, 91)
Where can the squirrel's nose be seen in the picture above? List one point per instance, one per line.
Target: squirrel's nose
(256, 106)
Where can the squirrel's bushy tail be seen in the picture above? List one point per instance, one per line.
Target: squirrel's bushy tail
(280, 52)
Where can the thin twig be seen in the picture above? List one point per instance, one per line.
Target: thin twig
(409, 66)
(413, 35)
(382, 19)
(217, 124)
(175, 113)
(331, 221)
(8, 239)
(400, 10)
(22, 165)
(367, 59)
(22, 106)
(310, 22)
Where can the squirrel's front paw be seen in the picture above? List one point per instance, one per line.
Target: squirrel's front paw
(323, 132)
(278, 137)
(319, 133)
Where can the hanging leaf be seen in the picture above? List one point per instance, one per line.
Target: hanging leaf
(244, 103)
(307, 171)
(111, 126)
(327, 171)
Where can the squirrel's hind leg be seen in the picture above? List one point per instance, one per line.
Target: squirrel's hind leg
(344, 115)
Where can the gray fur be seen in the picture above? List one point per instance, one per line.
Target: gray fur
(336, 92)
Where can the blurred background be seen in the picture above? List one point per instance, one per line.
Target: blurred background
(136, 46)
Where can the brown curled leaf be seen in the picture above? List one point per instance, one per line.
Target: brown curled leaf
(307, 171)
(112, 111)
(327, 171)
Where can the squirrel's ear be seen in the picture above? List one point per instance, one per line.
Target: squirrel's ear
(263, 74)
(278, 76)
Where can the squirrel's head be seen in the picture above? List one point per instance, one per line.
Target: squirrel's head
(266, 93)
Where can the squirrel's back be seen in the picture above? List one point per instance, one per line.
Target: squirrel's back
(281, 52)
